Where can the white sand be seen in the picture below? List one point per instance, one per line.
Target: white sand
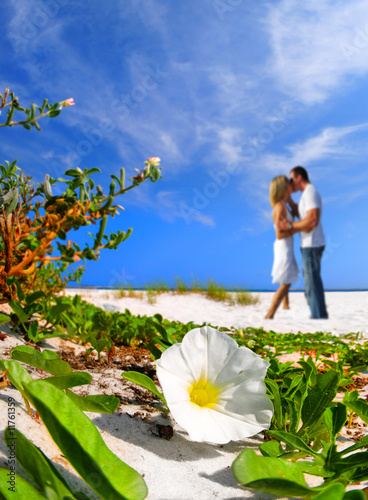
(179, 469)
(348, 311)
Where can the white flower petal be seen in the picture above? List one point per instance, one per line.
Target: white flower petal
(187, 360)
(239, 361)
(255, 410)
(202, 424)
(175, 388)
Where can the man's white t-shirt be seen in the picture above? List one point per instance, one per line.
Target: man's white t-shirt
(311, 199)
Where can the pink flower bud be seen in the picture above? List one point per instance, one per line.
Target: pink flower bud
(155, 160)
(67, 102)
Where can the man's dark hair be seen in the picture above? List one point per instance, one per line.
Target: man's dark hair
(301, 171)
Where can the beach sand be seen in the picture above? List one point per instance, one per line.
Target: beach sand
(348, 311)
(175, 469)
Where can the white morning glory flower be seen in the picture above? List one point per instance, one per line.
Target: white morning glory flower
(215, 389)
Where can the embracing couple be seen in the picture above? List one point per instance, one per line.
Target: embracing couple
(312, 239)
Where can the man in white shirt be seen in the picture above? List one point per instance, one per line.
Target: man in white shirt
(312, 238)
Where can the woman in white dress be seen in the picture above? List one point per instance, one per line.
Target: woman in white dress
(285, 269)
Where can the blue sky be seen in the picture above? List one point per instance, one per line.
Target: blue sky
(229, 94)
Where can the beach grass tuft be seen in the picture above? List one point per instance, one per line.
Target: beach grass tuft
(210, 289)
(246, 298)
(181, 286)
(217, 292)
(151, 296)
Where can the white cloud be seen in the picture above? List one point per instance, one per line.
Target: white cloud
(331, 143)
(229, 144)
(317, 45)
(169, 206)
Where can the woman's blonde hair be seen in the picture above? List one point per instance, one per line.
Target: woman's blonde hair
(278, 189)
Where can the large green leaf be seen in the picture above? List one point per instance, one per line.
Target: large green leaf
(82, 445)
(353, 495)
(144, 381)
(270, 475)
(23, 489)
(39, 468)
(46, 360)
(333, 492)
(70, 380)
(320, 397)
(46, 353)
(17, 375)
(95, 404)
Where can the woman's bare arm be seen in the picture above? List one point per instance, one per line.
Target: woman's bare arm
(278, 214)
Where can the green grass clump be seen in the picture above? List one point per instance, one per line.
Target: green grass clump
(181, 286)
(245, 298)
(151, 296)
(217, 292)
(121, 292)
(210, 289)
(158, 286)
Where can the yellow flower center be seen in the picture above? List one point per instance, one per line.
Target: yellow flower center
(203, 394)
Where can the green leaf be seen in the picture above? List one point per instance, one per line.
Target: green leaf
(96, 404)
(23, 489)
(293, 441)
(32, 331)
(352, 461)
(145, 382)
(58, 309)
(73, 172)
(54, 113)
(335, 418)
(93, 170)
(359, 444)
(360, 474)
(360, 407)
(271, 449)
(39, 468)
(17, 375)
(4, 319)
(352, 495)
(294, 415)
(308, 368)
(20, 293)
(19, 311)
(270, 475)
(46, 360)
(34, 296)
(319, 397)
(276, 399)
(314, 469)
(350, 396)
(333, 492)
(70, 380)
(81, 444)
